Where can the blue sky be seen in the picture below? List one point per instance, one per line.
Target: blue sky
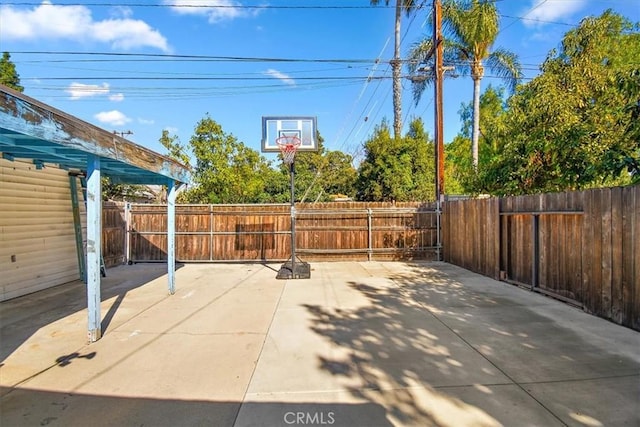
(148, 65)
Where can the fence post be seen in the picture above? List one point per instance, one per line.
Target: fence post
(370, 233)
(438, 230)
(127, 232)
(211, 234)
(535, 251)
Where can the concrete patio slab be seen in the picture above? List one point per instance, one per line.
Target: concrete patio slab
(568, 398)
(357, 344)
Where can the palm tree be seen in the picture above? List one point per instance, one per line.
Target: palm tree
(396, 64)
(470, 29)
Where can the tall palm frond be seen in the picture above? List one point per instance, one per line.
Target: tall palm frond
(407, 6)
(505, 65)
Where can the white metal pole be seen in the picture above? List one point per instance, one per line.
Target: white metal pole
(94, 246)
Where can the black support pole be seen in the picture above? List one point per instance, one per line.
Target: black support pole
(292, 174)
(294, 269)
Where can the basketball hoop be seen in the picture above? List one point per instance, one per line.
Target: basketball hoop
(288, 145)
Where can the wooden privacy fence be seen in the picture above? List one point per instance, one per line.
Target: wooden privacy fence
(324, 231)
(114, 230)
(581, 247)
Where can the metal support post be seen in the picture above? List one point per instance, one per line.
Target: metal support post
(370, 230)
(94, 247)
(438, 231)
(127, 237)
(292, 173)
(294, 269)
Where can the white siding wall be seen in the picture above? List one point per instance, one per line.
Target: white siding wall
(36, 229)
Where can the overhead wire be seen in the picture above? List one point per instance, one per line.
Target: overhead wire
(146, 57)
(366, 112)
(169, 5)
(370, 110)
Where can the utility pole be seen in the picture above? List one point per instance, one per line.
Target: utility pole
(439, 77)
(439, 144)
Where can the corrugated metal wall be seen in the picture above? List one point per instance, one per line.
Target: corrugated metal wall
(37, 242)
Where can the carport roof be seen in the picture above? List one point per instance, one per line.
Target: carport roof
(32, 130)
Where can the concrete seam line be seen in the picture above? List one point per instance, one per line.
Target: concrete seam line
(255, 366)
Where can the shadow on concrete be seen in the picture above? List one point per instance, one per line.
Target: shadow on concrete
(34, 407)
(465, 349)
(21, 317)
(67, 359)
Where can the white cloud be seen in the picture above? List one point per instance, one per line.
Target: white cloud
(121, 12)
(81, 90)
(280, 76)
(49, 21)
(214, 10)
(113, 118)
(171, 129)
(551, 10)
(145, 121)
(128, 34)
(116, 97)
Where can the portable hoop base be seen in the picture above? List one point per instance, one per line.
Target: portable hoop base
(300, 270)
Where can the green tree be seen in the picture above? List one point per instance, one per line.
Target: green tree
(123, 192)
(470, 29)
(320, 174)
(397, 169)
(175, 150)
(628, 159)
(308, 168)
(8, 74)
(458, 153)
(575, 125)
(339, 175)
(226, 171)
(408, 6)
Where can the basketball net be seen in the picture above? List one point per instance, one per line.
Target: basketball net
(288, 145)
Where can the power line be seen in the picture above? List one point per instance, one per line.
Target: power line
(206, 6)
(175, 92)
(187, 57)
(540, 21)
(201, 78)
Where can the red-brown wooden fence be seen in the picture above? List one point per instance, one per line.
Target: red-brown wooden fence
(582, 247)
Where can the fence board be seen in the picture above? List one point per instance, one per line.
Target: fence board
(595, 248)
(588, 237)
(606, 252)
(635, 255)
(616, 255)
(113, 234)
